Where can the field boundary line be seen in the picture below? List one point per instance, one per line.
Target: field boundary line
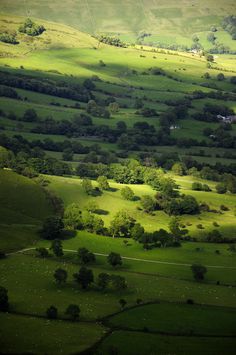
(132, 259)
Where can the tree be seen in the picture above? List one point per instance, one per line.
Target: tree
(4, 304)
(52, 228)
(73, 217)
(122, 303)
(118, 282)
(121, 224)
(87, 186)
(92, 206)
(60, 276)
(210, 58)
(67, 154)
(127, 193)
(211, 37)
(42, 252)
(114, 259)
(56, 247)
(175, 229)
(221, 188)
(178, 169)
(103, 183)
(103, 280)
(137, 231)
(114, 107)
(73, 311)
(138, 103)
(198, 271)
(148, 203)
(52, 312)
(84, 277)
(30, 115)
(220, 77)
(85, 256)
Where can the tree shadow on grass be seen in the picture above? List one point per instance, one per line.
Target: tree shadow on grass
(101, 212)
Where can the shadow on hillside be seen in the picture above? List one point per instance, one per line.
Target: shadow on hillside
(68, 234)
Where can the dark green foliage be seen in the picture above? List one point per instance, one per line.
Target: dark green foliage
(121, 224)
(113, 41)
(103, 280)
(148, 203)
(85, 256)
(60, 276)
(229, 24)
(214, 236)
(8, 37)
(114, 259)
(31, 28)
(52, 228)
(56, 247)
(73, 311)
(67, 154)
(4, 304)
(84, 277)
(42, 252)
(118, 282)
(87, 186)
(73, 217)
(127, 193)
(52, 312)
(122, 303)
(30, 115)
(198, 271)
(221, 188)
(103, 183)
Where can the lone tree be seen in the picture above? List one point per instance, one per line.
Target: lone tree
(118, 282)
(114, 259)
(103, 280)
(52, 312)
(73, 217)
(84, 277)
(87, 186)
(4, 304)
(127, 193)
(103, 183)
(85, 256)
(52, 228)
(199, 271)
(60, 276)
(56, 247)
(42, 252)
(176, 230)
(122, 303)
(73, 311)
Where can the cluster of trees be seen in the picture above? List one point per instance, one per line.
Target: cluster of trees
(31, 28)
(8, 92)
(96, 110)
(47, 86)
(113, 41)
(8, 37)
(72, 311)
(229, 25)
(197, 186)
(210, 113)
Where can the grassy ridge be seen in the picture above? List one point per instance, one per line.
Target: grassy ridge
(167, 23)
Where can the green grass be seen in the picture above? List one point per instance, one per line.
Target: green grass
(137, 343)
(20, 219)
(23, 334)
(70, 190)
(170, 22)
(179, 319)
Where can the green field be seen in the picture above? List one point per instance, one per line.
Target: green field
(167, 23)
(166, 311)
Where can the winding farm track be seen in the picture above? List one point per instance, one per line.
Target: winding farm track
(133, 259)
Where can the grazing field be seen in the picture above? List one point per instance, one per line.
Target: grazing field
(166, 23)
(129, 150)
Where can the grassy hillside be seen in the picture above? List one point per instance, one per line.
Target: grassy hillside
(167, 22)
(24, 206)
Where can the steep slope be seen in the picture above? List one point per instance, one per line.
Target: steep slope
(23, 207)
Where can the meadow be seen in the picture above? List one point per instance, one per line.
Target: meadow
(166, 309)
